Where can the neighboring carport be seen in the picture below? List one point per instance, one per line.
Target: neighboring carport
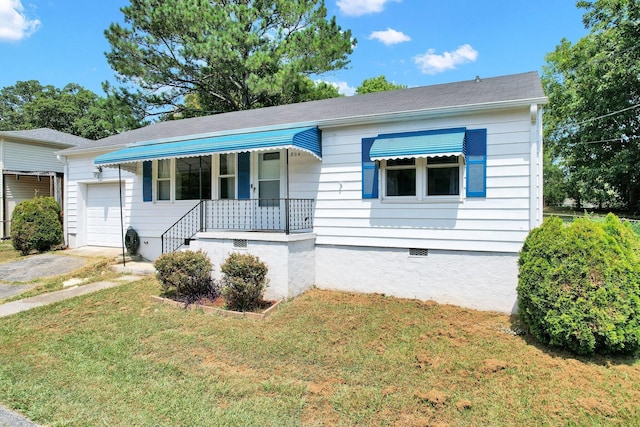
(29, 167)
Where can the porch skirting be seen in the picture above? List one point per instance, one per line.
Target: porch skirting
(289, 257)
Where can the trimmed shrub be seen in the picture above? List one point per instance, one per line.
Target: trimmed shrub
(187, 274)
(579, 286)
(36, 225)
(244, 281)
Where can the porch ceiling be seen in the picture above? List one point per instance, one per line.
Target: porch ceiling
(302, 139)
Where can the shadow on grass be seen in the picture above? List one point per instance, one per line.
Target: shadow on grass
(520, 329)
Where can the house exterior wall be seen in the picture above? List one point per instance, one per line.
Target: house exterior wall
(30, 157)
(79, 176)
(498, 223)
(363, 244)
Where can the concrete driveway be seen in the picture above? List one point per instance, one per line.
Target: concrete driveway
(15, 275)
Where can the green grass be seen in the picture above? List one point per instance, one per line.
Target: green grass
(7, 253)
(326, 358)
(568, 215)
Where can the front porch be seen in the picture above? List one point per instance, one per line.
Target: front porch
(240, 215)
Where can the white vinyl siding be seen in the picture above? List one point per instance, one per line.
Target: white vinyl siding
(30, 157)
(499, 222)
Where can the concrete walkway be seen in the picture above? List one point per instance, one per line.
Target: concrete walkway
(11, 419)
(14, 307)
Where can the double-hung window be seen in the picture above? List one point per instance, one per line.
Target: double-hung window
(227, 176)
(430, 178)
(440, 165)
(163, 180)
(443, 176)
(401, 177)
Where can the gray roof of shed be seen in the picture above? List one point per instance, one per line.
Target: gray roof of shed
(46, 135)
(515, 88)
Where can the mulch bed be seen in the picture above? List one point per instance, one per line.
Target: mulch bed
(216, 306)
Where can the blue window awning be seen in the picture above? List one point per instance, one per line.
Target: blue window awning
(433, 143)
(302, 139)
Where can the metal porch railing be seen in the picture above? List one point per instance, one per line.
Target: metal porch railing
(274, 215)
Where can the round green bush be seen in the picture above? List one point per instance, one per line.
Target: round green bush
(579, 286)
(36, 225)
(188, 274)
(244, 281)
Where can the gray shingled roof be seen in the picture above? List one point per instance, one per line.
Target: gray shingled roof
(524, 88)
(47, 135)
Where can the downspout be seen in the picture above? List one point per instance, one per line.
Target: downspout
(63, 160)
(535, 168)
(124, 261)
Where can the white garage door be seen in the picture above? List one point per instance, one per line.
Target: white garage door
(103, 215)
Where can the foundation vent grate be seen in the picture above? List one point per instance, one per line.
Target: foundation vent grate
(419, 252)
(240, 243)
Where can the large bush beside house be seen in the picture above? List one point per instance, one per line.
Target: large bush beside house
(244, 281)
(36, 225)
(579, 286)
(186, 275)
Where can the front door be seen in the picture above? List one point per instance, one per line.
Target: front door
(268, 183)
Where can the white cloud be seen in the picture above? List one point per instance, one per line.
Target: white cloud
(14, 24)
(362, 7)
(431, 63)
(389, 36)
(343, 87)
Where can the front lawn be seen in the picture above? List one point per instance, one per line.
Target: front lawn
(7, 253)
(325, 358)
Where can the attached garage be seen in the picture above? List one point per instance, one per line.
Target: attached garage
(103, 215)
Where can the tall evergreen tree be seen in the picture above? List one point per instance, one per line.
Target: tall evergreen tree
(229, 54)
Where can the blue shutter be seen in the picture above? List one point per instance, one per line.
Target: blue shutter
(147, 181)
(244, 175)
(476, 158)
(369, 171)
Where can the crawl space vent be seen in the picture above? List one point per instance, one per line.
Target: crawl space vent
(418, 252)
(239, 243)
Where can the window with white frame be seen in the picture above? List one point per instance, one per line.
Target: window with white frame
(401, 177)
(193, 178)
(227, 176)
(443, 176)
(422, 178)
(183, 178)
(163, 180)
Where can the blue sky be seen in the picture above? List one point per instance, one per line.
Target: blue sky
(411, 42)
